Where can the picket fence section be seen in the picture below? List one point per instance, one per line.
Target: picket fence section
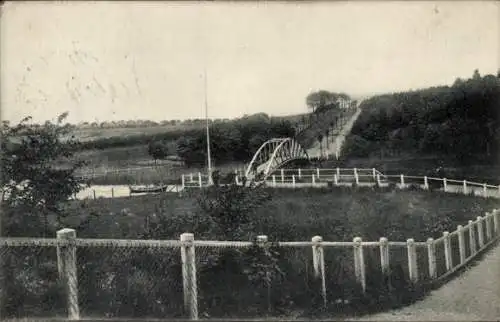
(479, 234)
(322, 177)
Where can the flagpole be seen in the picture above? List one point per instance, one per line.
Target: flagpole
(209, 158)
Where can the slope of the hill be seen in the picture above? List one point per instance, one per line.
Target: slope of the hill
(459, 122)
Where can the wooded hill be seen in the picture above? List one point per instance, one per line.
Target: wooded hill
(459, 121)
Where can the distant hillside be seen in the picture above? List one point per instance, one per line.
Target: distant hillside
(459, 121)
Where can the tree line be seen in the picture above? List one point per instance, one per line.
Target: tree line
(458, 121)
(233, 141)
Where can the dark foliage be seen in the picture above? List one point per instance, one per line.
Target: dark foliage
(459, 121)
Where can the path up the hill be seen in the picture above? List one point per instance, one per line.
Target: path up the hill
(334, 147)
(472, 296)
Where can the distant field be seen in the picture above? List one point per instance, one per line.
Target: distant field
(97, 133)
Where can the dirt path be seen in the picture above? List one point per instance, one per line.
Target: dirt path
(472, 296)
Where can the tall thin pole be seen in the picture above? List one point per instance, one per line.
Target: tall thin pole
(209, 158)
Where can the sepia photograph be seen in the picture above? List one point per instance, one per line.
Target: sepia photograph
(250, 160)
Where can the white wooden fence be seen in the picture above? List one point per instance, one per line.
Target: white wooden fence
(472, 239)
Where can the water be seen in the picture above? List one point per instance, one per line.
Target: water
(112, 191)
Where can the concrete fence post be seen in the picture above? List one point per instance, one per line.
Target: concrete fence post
(359, 262)
(445, 185)
(378, 179)
(431, 255)
(335, 179)
(282, 176)
(66, 266)
(190, 287)
(293, 180)
(412, 260)
(472, 238)
(426, 183)
(312, 179)
(374, 173)
(465, 187)
(447, 251)
(480, 232)
(200, 183)
(274, 180)
(317, 172)
(495, 222)
(300, 174)
(461, 243)
(402, 181)
(338, 172)
(487, 221)
(384, 255)
(356, 177)
(319, 265)
(485, 190)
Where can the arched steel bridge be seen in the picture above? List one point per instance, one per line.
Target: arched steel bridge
(272, 155)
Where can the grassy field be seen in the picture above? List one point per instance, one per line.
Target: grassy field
(301, 214)
(89, 134)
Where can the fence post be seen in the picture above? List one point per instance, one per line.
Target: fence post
(313, 181)
(199, 179)
(472, 238)
(485, 190)
(431, 255)
(384, 255)
(112, 192)
(426, 183)
(338, 172)
(189, 275)
(445, 185)
(495, 221)
(412, 260)
(461, 243)
(93, 191)
(447, 251)
(335, 179)
(274, 180)
(359, 263)
(402, 181)
(183, 181)
(282, 176)
(480, 231)
(66, 266)
(487, 219)
(356, 177)
(378, 179)
(319, 264)
(317, 172)
(300, 174)
(374, 172)
(293, 180)
(465, 187)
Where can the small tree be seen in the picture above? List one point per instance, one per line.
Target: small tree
(320, 140)
(38, 170)
(158, 150)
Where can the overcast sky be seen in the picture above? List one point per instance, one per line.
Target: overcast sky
(119, 61)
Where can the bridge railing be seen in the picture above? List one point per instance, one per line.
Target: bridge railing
(100, 277)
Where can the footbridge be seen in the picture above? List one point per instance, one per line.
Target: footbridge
(272, 155)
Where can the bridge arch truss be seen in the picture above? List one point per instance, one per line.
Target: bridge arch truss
(273, 154)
